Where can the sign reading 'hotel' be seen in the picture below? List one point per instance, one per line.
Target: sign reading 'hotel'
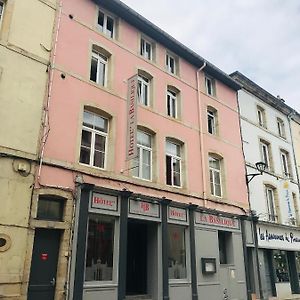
(210, 219)
(106, 202)
(131, 147)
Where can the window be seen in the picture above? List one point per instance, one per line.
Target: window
(100, 246)
(177, 252)
(146, 49)
(215, 176)
(265, 153)
(281, 266)
(50, 208)
(99, 64)
(93, 140)
(171, 64)
(106, 24)
(261, 115)
(281, 128)
(144, 90)
(1, 10)
(212, 120)
(225, 242)
(171, 103)
(173, 164)
(285, 163)
(271, 203)
(210, 86)
(142, 164)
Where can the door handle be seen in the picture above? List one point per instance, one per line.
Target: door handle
(52, 282)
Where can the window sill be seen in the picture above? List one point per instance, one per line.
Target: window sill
(99, 284)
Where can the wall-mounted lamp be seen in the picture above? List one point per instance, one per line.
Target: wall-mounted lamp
(261, 167)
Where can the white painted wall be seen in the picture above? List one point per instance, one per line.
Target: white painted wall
(252, 133)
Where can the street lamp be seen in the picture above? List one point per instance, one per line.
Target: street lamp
(261, 167)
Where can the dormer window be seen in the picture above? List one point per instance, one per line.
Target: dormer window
(210, 86)
(106, 24)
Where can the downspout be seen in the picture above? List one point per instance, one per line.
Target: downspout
(290, 115)
(201, 134)
(46, 124)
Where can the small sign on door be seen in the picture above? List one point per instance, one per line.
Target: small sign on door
(44, 256)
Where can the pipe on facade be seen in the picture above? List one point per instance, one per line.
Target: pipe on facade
(46, 124)
(290, 115)
(201, 133)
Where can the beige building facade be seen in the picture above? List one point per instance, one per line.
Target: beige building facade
(26, 31)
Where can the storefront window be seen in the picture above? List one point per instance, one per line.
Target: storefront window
(177, 252)
(298, 263)
(100, 244)
(281, 266)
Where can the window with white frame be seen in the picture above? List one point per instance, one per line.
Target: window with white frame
(173, 164)
(171, 64)
(265, 153)
(270, 196)
(210, 85)
(215, 176)
(142, 164)
(285, 163)
(172, 103)
(212, 121)
(146, 49)
(261, 116)
(106, 24)
(281, 128)
(99, 68)
(94, 140)
(144, 90)
(1, 10)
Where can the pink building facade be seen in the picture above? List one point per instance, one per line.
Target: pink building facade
(165, 224)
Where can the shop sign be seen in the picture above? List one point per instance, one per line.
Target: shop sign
(144, 208)
(106, 202)
(209, 219)
(177, 214)
(278, 238)
(131, 146)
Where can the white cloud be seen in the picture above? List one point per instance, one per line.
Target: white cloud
(260, 38)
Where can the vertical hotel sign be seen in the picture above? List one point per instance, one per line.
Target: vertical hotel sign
(131, 148)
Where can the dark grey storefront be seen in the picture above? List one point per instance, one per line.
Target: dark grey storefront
(127, 244)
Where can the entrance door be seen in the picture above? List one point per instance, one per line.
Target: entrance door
(44, 264)
(136, 282)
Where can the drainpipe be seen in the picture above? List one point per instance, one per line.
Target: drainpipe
(201, 133)
(46, 125)
(290, 115)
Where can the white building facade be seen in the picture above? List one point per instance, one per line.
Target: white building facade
(273, 243)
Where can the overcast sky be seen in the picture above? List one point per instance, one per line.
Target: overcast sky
(259, 38)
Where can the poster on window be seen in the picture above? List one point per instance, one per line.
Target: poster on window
(131, 146)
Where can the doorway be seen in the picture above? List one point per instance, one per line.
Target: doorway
(44, 264)
(136, 279)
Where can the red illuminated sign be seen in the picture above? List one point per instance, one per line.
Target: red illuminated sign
(102, 201)
(44, 256)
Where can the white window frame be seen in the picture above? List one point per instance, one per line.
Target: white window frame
(281, 128)
(144, 83)
(214, 171)
(101, 59)
(270, 196)
(265, 154)
(93, 139)
(175, 158)
(2, 12)
(211, 115)
(284, 157)
(141, 149)
(261, 117)
(169, 58)
(172, 98)
(143, 50)
(104, 29)
(210, 85)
